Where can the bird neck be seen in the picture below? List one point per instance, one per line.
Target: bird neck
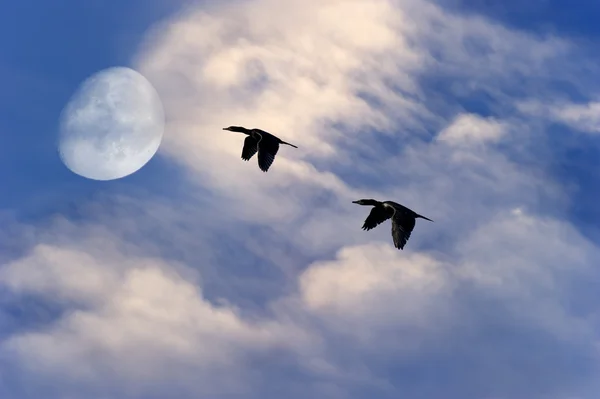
(240, 129)
(372, 202)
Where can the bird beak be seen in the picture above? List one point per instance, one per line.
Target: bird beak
(355, 202)
(225, 128)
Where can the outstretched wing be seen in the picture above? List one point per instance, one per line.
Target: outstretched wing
(378, 215)
(402, 227)
(250, 148)
(267, 149)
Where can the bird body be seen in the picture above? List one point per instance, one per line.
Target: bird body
(403, 219)
(265, 143)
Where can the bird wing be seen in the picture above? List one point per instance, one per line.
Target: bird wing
(250, 148)
(267, 149)
(402, 227)
(378, 215)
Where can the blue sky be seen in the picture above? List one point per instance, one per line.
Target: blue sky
(200, 276)
(49, 51)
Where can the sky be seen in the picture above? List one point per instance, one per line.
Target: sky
(199, 276)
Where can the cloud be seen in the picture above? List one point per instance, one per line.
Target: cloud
(361, 92)
(469, 128)
(582, 117)
(475, 310)
(263, 285)
(132, 318)
(371, 294)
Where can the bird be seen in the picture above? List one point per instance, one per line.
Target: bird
(265, 143)
(403, 219)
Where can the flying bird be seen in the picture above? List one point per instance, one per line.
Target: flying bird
(403, 219)
(265, 143)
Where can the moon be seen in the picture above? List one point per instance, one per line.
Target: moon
(111, 126)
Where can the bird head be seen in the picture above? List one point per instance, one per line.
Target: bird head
(366, 202)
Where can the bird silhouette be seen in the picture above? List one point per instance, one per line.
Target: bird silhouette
(403, 219)
(265, 143)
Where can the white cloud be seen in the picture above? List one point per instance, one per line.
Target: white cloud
(469, 128)
(517, 272)
(371, 288)
(585, 117)
(578, 116)
(141, 328)
(306, 67)
(362, 278)
(507, 258)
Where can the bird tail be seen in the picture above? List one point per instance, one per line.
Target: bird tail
(284, 142)
(423, 217)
